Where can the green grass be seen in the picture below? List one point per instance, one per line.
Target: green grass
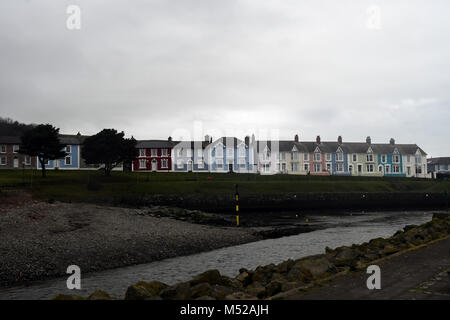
(94, 186)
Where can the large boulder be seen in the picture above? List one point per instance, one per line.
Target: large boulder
(220, 292)
(201, 289)
(144, 290)
(317, 267)
(100, 295)
(245, 278)
(273, 288)
(256, 289)
(181, 291)
(211, 276)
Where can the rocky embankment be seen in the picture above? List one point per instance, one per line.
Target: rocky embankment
(272, 281)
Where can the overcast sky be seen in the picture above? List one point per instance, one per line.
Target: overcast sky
(159, 67)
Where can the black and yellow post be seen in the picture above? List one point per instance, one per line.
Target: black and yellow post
(236, 198)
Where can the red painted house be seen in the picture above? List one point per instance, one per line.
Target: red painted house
(10, 158)
(154, 155)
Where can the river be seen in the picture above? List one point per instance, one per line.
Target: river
(342, 230)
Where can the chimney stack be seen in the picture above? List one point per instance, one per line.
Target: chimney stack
(296, 138)
(247, 141)
(169, 139)
(207, 138)
(340, 139)
(392, 141)
(318, 139)
(368, 140)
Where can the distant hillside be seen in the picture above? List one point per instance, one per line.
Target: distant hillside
(9, 127)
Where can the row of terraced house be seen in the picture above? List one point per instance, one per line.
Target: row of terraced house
(230, 154)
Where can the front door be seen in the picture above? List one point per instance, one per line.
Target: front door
(230, 168)
(16, 162)
(154, 167)
(189, 166)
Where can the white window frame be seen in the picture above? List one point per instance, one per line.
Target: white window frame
(219, 151)
(141, 153)
(68, 149)
(339, 156)
(306, 157)
(164, 163)
(142, 164)
(306, 167)
(153, 153)
(27, 160)
(371, 157)
(242, 151)
(3, 160)
(328, 157)
(294, 155)
(396, 158)
(354, 157)
(387, 169)
(383, 158)
(16, 148)
(180, 164)
(219, 163)
(65, 161)
(3, 147)
(230, 152)
(317, 156)
(317, 166)
(188, 153)
(396, 168)
(369, 168)
(165, 153)
(339, 167)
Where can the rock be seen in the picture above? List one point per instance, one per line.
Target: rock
(388, 250)
(242, 270)
(144, 290)
(67, 297)
(286, 286)
(256, 289)
(240, 296)
(409, 227)
(317, 267)
(201, 289)
(220, 292)
(211, 276)
(378, 242)
(205, 298)
(100, 295)
(273, 288)
(181, 291)
(245, 278)
(286, 266)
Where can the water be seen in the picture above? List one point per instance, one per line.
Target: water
(343, 230)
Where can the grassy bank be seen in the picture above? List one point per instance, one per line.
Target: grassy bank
(91, 185)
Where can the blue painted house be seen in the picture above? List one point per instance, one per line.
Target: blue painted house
(72, 159)
(229, 154)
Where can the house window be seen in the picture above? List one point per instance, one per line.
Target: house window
(3, 149)
(317, 156)
(396, 169)
(188, 152)
(266, 155)
(219, 152)
(200, 165)
(179, 152)
(350, 168)
(294, 156)
(369, 168)
(68, 161)
(15, 148)
(396, 158)
(180, 164)
(242, 152)
(141, 152)
(329, 167)
(154, 152)
(229, 153)
(383, 158)
(27, 160)
(317, 167)
(354, 157)
(68, 149)
(3, 160)
(219, 163)
(419, 169)
(306, 167)
(408, 158)
(388, 169)
(339, 156)
(306, 157)
(418, 159)
(199, 153)
(164, 153)
(380, 169)
(164, 163)
(339, 167)
(369, 158)
(294, 167)
(408, 169)
(142, 164)
(328, 156)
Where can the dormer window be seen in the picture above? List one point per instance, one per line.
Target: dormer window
(219, 151)
(328, 156)
(369, 158)
(242, 152)
(317, 156)
(396, 158)
(339, 156)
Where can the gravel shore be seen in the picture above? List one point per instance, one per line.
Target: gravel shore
(40, 240)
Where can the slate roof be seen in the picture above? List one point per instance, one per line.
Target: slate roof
(192, 144)
(440, 160)
(155, 144)
(10, 140)
(347, 147)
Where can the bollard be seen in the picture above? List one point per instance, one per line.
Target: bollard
(236, 197)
